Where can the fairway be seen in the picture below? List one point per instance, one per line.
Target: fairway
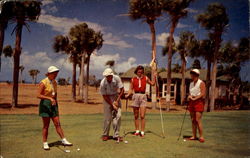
(227, 135)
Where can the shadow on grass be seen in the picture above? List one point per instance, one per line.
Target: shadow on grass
(90, 101)
(21, 106)
(146, 132)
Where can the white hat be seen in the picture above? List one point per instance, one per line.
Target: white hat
(108, 72)
(52, 69)
(195, 71)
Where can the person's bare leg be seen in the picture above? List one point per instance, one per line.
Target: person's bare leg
(57, 124)
(136, 117)
(46, 121)
(142, 115)
(194, 125)
(199, 124)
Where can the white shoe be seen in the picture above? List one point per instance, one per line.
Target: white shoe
(66, 143)
(45, 146)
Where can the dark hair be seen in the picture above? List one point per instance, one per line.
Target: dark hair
(139, 67)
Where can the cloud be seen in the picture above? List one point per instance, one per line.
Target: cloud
(160, 38)
(190, 10)
(43, 60)
(180, 25)
(110, 39)
(63, 25)
(97, 63)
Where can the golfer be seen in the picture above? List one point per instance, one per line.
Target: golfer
(48, 107)
(197, 91)
(111, 89)
(138, 87)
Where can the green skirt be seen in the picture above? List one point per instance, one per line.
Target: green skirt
(47, 110)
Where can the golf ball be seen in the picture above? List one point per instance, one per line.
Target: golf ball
(78, 149)
(67, 151)
(184, 140)
(126, 142)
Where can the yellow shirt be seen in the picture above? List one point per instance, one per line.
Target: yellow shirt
(50, 87)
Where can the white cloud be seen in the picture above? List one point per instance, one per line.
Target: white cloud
(190, 10)
(110, 39)
(180, 25)
(42, 60)
(97, 63)
(160, 38)
(63, 25)
(143, 36)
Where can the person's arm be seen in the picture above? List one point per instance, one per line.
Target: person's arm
(107, 99)
(203, 92)
(152, 83)
(120, 94)
(41, 96)
(131, 89)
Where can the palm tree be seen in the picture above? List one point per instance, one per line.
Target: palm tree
(149, 11)
(187, 44)
(4, 18)
(63, 44)
(176, 9)
(93, 44)
(21, 68)
(215, 20)
(85, 40)
(33, 73)
(21, 12)
(110, 63)
(8, 51)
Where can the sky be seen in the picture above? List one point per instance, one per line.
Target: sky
(125, 41)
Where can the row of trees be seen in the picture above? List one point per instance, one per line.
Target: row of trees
(79, 44)
(20, 13)
(214, 19)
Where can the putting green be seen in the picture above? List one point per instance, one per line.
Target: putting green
(226, 133)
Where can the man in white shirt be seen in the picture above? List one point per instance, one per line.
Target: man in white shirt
(111, 89)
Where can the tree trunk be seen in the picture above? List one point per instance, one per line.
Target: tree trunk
(183, 71)
(35, 79)
(153, 69)
(74, 79)
(79, 80)
(87, 82)
(16, 56)
(1, 43)
(170, 49)
(82, 77)
(208, 83)
(21, 76)
(214, 71)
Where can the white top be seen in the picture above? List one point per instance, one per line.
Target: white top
(111, 88)
(195, 89)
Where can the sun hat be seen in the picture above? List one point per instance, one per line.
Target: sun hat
(196, 71)
(107, 72)
(52, 69)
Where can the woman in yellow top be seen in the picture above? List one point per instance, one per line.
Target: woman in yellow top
(48, 107)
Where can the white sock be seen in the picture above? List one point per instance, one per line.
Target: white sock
(137, 131)
(64, 139)
(142, 132)
(45, 142)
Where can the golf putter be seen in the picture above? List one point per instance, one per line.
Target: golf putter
(124, 132)
(162, 121)
(182, 123)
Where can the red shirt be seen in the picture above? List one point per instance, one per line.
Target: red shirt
(139, 84)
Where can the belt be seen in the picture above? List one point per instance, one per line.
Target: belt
(139, 92)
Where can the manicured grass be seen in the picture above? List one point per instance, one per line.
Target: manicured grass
(227, 135)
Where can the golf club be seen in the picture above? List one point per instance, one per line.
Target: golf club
(182, 123)
(162, 124)
(124, 130)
